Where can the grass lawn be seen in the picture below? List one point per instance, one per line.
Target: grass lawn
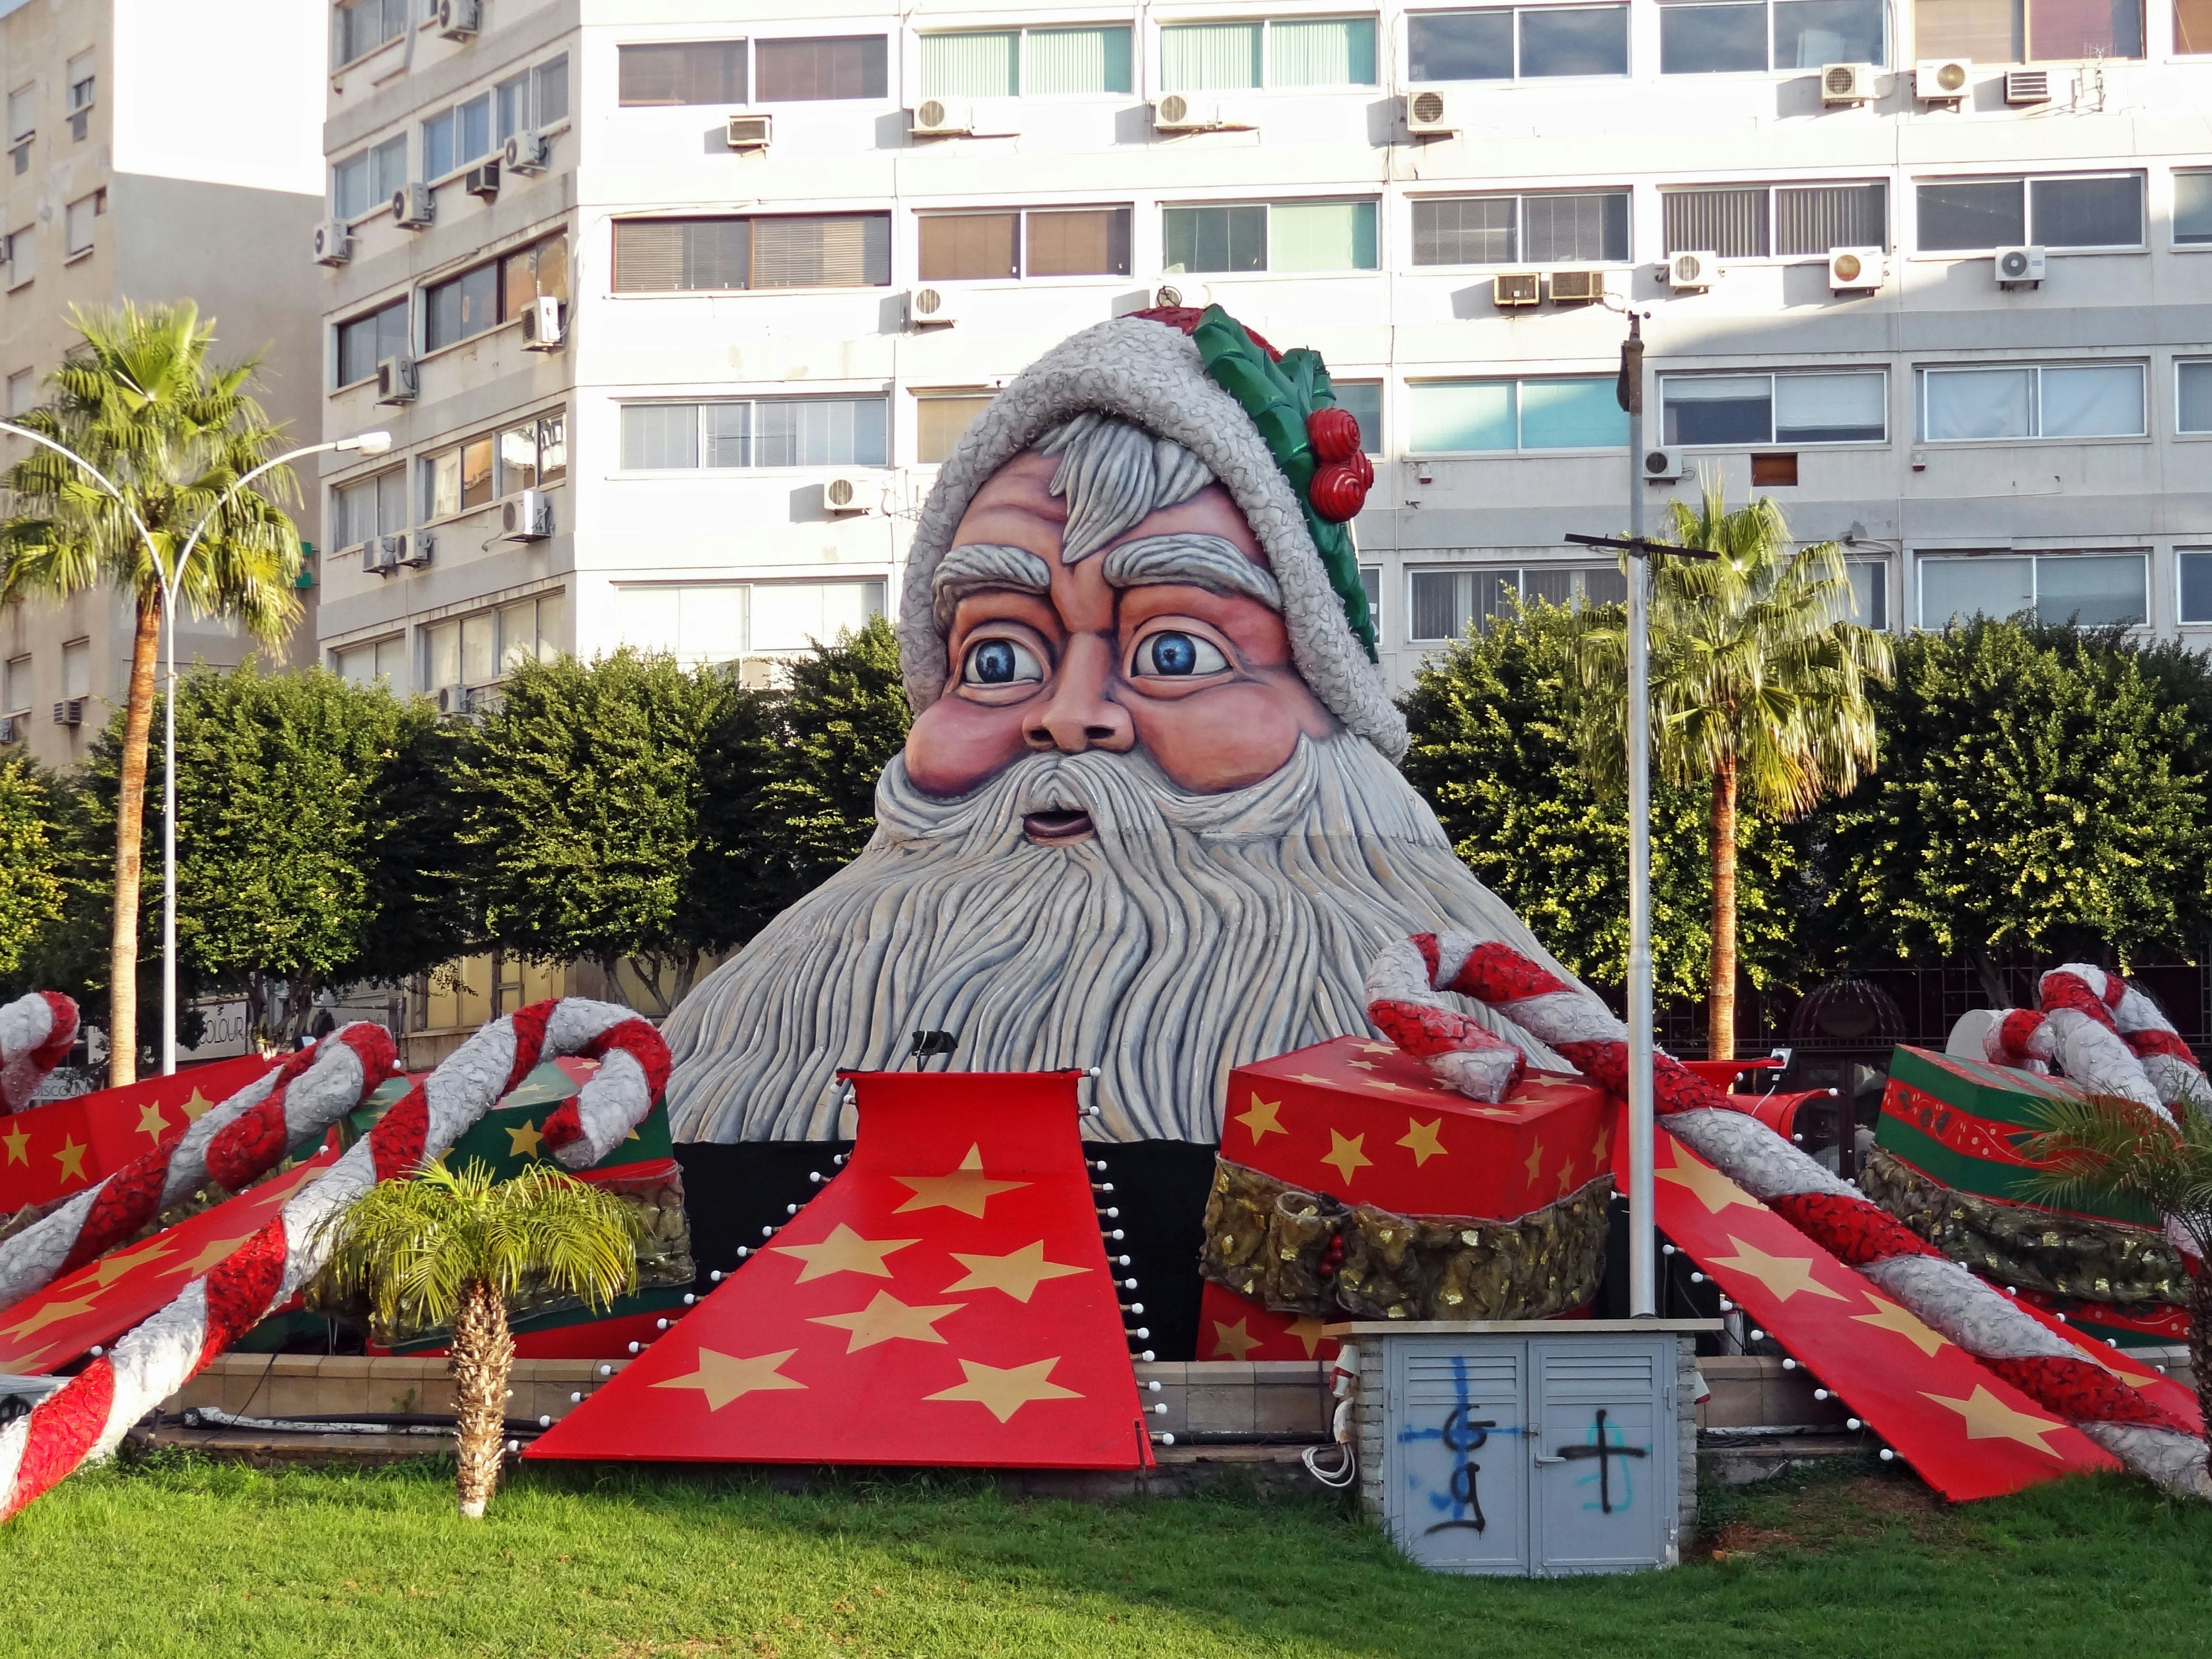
(175, 1556)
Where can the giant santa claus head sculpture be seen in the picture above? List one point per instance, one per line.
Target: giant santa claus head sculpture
(1147, 819)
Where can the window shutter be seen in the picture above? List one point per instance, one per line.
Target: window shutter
(1200, 56)
(842, 251)
(1835, 215)
(971, 65)
(1729, 222)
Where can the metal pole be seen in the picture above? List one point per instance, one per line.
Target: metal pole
(1643, 1243)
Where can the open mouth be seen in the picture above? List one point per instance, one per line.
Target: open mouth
(1052, 829)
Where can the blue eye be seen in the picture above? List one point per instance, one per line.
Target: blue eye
(1179, 656)
(999, 662)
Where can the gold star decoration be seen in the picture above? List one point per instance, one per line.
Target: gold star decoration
(1603, 1143)
(887, 1319)
(197, 1106)
(1307, 1330)
(109, 1269)
(1003, 1393)
(1567, 1173)
(1708, 1185)
(1422, 1141)
(1259, 1118)
(151, 1122)
(966, 1189)
(723, 1378)
(1784, 1275)
(843, 1252)
(1233, 1341)
(1988, 1418)
(1378, 1048)
(1399, 1088)
(1344, 1154)
(1317, 1082)
(1888, 1316)
(17, 1140)
(1361, 1065)
(1535, 1163)
(56, 1310)
(72, 1158)
(525, 1141)
(214, 1251)
(1018, 1273)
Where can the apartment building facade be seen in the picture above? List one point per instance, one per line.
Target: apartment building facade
(676, 306)
(152, 157)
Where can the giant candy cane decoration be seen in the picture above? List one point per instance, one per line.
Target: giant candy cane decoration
(35, 1034)
(1402, 988)
(86, 1418)
(2106, 1036)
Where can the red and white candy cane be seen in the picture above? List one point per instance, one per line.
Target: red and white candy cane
(235, 1142)
(1402, 988)
(2106, 1036)
(35, 1034)
(87, 1416)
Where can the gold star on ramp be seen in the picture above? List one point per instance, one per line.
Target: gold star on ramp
(1260, 1119)
(524, 1142)
(1308, 1331)
(214, 1251)
(843, 1252)
(1784, 1275)
(151, 1122)
(197, 1106)
(17, 1141)
(886, 1319)
(1708, 1185)
(1888, 1316)
(54, 1313)
(966, 1189)
(109, 1269)
(1345, 1155)
(1233, 1341)
(72, 1158)
(1003, 1393)
(1361, 1065)
(723, 1378)
(1018, 1273)
(1422, 1141)
(1378, 1048)
(1988, 1418)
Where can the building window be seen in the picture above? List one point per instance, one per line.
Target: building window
(757, 432)
(77, 223)
(2071, 211)
(1039, 242)
(464, 652)
(366, 508)
(2011, 32)
(23, 124)
(802, 71)
(1303, 51)
(2192, 27)
(457, 137)
(665, 256)
(365, 342)
(1697, 37)
(76, 669)
(1524, 44)
(1277, 236)
(16, 687)
(681, 72)
(1489, 418)
(22, 391)
(22, 256)
(1371, 584)
(1363, 399)
(1775, 409)
(364, 181)
(533, 101)
(2193, 588)
(2095, 589)
(1037, 62)
(377, 662)
(2057, 400)
(532, 454)
(2192, 203)
(493, 293)
(721, 622)
(1755, 221)
(1441, 604)
(1870, 581)
(940, 418)
(359, 27)
(2192, 396)
(1583, 229)
(82, 84)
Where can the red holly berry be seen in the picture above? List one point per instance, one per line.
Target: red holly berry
(1340, 489)
(1334, 432)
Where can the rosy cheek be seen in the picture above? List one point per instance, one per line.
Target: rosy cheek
(1224, 738)
(956, 745)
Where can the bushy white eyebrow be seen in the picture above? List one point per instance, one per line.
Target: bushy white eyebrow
(973, 566)
(1213, 563)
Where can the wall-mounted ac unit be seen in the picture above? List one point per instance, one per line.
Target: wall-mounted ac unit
(379, 555)
(1942, 79)
(1856, 270)
(482, 179)
(333, 242)
(526, 516)
(849, 493)
(1662, 466)
(2018, 267)
(527, 152)
(1177, 292)
(1431, 114)
(943, 117)
(749, 132)
(1577, 288)
(544, 324)
(414, 206)
(2027, 86)
(1178, 112)
(1846, 83)
(460, 20)
(1508, 289)
(397, 381)
(416, 551)
(1694, 270)
(932, 307)
(70, 711)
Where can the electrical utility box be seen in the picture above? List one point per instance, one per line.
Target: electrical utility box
(1531, 1447)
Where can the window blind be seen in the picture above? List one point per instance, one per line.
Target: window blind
(1205, 56)
(1985, 31)
(2193, 25)
(1322, 52)
(1729, 222)
(1816, 409)
(2096, 400)
(660, 256)
(956, 246)
(1080, 60)
(1464, 230)
(938, 422)
(1092, 242)
(1565, 228)
(1813, 220)
(2084, 28)
(727, 430)
(659, 435)
(1981, 402)
(795, 71)
(983, 65)
(675, 72)
(842, 251)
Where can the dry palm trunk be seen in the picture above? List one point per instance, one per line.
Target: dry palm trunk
(481, 1351)
(130, 835)
(2200, 1342)
(1720, 1006)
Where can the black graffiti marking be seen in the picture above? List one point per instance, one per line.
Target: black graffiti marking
(1604, 1452)
(1460, 1435)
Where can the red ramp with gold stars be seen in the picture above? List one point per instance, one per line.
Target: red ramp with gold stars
(945, 1299)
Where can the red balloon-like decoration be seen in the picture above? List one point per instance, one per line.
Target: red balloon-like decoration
(1334, 432)
(1340, 487)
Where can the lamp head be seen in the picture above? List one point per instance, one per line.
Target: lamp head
(367, 443)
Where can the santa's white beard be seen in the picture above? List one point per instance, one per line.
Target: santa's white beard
(1189, 935)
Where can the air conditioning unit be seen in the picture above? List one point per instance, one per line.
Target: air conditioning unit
(749, 132)
(1178, 112)
(527, 152)
(397, 381)
(1577, 288)
(1431, 114)
(460, 20)
(1508, 289)
(1942, 79)
(414, 207)
(1856, 270)
(544, 324)
(1176, 293)
(482, 179)
(379, 555)
(932, 307)
(2027, 86)
(1662, 466)
(1846, 83)
(526, 516)
(943, 117)
(849, 492)
(333, 242)
(451, 700)
(416, 551)
(1692, 271)
(2019, 267)
(70, 712)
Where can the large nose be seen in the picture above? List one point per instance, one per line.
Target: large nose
(1078, 714)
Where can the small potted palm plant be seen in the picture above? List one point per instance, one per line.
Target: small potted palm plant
(447, 1249)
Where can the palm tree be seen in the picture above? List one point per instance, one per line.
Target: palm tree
(2105, 1152)
(1757, 689)
(454, 1249)
(138, 398)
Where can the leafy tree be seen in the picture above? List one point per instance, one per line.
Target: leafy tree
(31, 862)
(1496, 722)
(1757, 691)
(838, 725)
(454, 1249)
(138, 399)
